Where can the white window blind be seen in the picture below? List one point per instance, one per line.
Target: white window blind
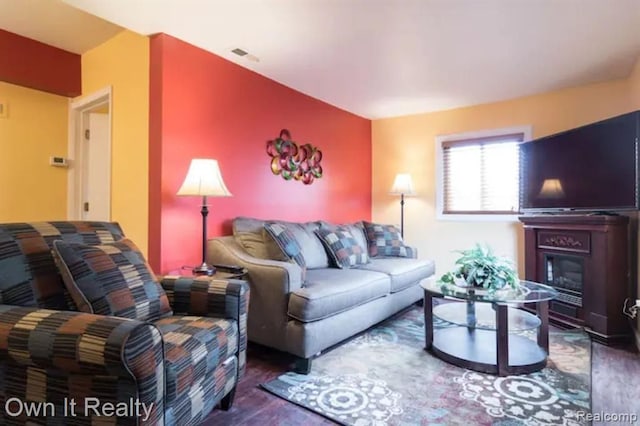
(482, 175)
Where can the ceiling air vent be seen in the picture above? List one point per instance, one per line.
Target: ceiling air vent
(243, 53)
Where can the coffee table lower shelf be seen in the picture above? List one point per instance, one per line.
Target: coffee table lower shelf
(476, 349)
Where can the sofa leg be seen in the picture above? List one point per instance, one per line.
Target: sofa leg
(302, 365)
(227, 401)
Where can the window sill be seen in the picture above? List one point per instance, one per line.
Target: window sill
(478, 217)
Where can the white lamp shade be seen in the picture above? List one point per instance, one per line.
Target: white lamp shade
(403, 184)
(551, 189)
(204, 179)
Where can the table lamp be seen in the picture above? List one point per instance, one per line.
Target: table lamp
(204, 179)
(402, 185)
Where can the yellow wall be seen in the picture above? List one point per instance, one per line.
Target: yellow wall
(34, 129)
(408, 144)
(123, 63)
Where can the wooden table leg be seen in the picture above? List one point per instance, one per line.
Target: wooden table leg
(502, 339)
(428, 320)
(543, 330)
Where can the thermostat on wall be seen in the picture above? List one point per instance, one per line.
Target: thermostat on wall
(58, 161)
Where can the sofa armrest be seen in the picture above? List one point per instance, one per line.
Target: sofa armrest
(285, 276)
(86, 344)
(413, 252)
(271, 283)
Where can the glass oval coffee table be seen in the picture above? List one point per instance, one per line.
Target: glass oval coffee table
(484, 331)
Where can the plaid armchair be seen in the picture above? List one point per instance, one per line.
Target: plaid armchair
(59, 366)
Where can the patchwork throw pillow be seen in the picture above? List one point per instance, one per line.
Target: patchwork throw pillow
(111, 279)
(385, 240)
(342, 246)
(287, 242)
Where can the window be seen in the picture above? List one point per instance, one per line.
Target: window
(480, 174)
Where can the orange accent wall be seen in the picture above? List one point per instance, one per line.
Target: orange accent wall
(202, 105)
(29, 63)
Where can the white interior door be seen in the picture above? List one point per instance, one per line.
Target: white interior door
(96, 192)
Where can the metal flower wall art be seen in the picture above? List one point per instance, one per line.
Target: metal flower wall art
(293, 161)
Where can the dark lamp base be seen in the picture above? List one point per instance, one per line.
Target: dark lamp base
(204, 269)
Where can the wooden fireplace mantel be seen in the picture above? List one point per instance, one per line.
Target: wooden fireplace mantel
(604, 246)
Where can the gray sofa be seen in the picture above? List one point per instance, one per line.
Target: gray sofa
(306, 315)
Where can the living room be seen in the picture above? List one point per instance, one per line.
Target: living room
(175, 92)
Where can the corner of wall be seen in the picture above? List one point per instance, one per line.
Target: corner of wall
(155, 149)
(122, 62)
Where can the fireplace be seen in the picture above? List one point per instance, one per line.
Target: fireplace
(565, 273)
(589, 260)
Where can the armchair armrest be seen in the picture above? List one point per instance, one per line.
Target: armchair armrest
(205, 296)
(86, 344)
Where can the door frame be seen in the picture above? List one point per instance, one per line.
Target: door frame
(79, 110)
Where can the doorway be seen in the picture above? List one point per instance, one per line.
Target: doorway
(89, 184)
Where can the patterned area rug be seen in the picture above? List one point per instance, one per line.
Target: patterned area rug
(384, 377)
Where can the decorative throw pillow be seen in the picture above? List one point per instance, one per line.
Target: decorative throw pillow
(111, 279)
(342, 246)
(287, 242)
(385, 240)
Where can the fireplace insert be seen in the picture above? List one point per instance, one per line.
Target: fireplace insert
(565, 273)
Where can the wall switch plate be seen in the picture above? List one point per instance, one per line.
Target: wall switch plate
(58, 161)
(4, 109)
(637, 303)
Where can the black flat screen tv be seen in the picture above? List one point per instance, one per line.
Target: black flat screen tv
(590, 168)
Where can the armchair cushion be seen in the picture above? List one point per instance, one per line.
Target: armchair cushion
(111, 279)
(194, 347)
(28, 274)
(342, 246)
(385, 240)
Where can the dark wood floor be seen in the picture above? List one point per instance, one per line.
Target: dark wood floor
(615, 389)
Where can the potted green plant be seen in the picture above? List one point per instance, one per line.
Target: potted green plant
(478, 267)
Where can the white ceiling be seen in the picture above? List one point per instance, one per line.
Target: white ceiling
(381, 58)
(55, 23)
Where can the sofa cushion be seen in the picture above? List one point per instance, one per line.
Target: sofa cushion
(111, 279)
(385, 240)
(330, 291)
(356, 229)
(252, 236)
(194, 347)
(287, 241)
(403, 272)
(28, 273)
(342, 246)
